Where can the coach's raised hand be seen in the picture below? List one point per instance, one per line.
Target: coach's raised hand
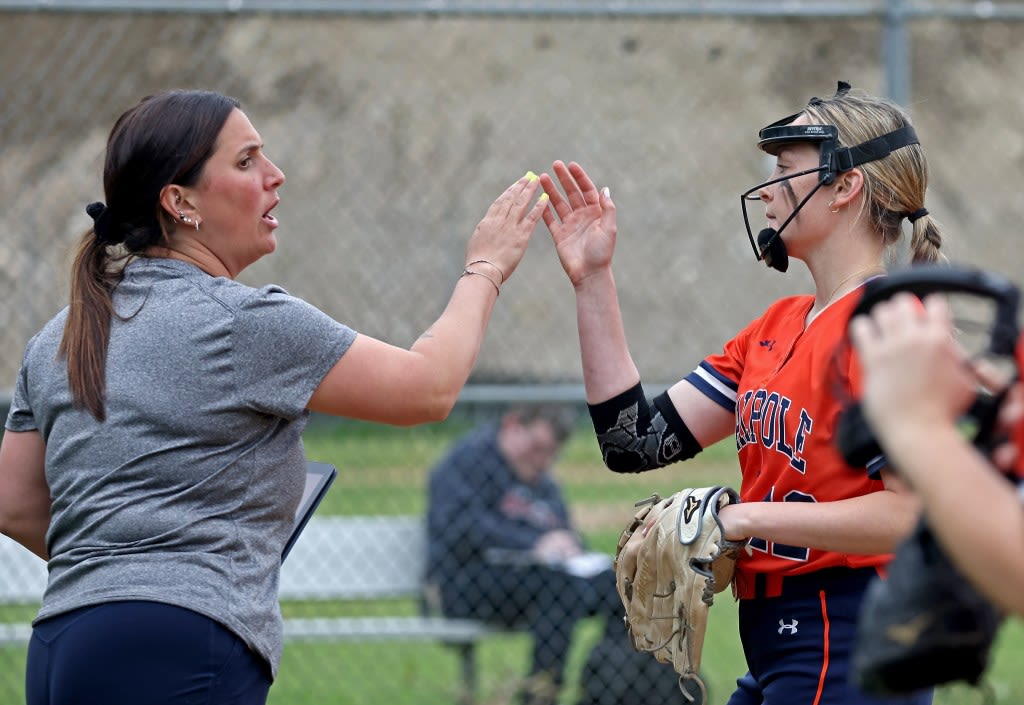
(501, 237)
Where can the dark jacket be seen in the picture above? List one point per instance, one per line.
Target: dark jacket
(476, 504)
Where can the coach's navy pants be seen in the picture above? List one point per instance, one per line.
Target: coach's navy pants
(141, 653)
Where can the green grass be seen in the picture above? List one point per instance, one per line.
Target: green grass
(384, 471)
(426, 673)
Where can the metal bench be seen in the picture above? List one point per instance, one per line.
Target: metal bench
(23, 581)
(336, 559)
(373, 557)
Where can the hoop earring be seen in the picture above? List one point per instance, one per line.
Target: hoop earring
(830, 208)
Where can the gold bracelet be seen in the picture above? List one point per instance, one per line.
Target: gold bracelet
(467, 271)
(487, 261)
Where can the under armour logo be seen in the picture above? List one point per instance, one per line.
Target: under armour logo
(791, 626)
(769, 343)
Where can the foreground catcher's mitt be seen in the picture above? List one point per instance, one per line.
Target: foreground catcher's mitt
(923, 626)
(670, 562)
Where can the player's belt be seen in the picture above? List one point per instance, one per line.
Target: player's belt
(754, 586)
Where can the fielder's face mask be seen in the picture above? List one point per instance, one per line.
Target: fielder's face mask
(833, 159)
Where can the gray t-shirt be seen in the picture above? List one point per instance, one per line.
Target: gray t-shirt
(186, 494)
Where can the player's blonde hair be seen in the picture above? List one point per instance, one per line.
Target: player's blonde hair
(894, 186)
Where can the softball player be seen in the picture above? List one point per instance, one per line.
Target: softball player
(849, 170)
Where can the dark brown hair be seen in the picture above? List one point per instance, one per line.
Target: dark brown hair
(165, 139)
(560, 417)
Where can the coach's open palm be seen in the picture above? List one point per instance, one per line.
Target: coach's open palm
(504, 232)
(582, 224)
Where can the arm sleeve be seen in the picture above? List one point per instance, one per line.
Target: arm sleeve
(636, 436)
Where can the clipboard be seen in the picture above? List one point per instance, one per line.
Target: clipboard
(319, 477)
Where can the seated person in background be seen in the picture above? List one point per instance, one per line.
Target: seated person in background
(502, 547)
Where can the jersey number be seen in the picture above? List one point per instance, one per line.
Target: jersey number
(782, 550)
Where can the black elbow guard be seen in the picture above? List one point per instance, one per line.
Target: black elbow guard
(635, 436)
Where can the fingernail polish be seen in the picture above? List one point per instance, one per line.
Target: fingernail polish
(530, 176)
(543, 197)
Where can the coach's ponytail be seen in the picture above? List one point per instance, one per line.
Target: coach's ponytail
(87, 330)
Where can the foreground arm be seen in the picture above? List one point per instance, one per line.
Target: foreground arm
(972, 510)
(375, 381)
(24, 494)
(917, 386)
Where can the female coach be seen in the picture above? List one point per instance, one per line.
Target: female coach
(153, 450)
(848, 172)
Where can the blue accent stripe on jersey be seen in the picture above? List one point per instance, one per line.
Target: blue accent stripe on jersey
(875, 467)
(729, 384)
(715, 386)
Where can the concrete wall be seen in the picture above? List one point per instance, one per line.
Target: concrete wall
(396, 133)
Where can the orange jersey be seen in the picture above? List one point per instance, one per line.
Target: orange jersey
(1017, 432)
(780, 381)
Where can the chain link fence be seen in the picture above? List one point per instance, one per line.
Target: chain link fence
(397, 129)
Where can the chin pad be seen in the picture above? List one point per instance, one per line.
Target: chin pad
(775, 256)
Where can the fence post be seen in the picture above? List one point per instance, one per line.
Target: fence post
(896, 52)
